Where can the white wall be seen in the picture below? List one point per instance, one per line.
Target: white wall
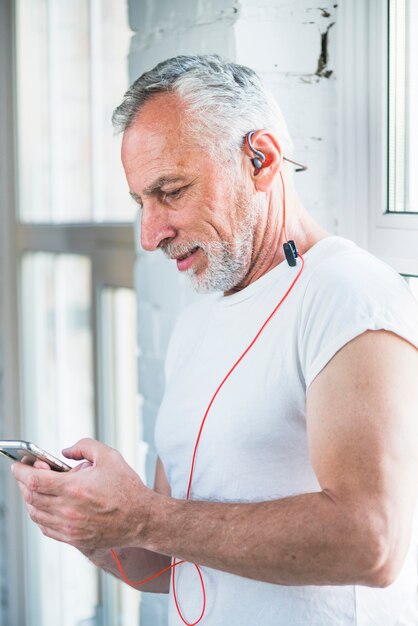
(283, 42)
(291, 44)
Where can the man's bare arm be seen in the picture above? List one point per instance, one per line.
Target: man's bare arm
(138, 563)
(363, 442)
(363, 439)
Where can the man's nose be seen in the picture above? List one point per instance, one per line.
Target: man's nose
(155, 227)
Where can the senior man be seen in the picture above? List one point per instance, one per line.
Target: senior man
(301, 509)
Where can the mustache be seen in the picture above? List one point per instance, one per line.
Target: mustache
(171, 250)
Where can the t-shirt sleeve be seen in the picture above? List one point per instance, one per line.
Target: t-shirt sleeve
(352, 293)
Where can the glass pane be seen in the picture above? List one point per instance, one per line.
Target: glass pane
(72, 71)
(54, 87)
(121, 427)
(403, 106)
(58, 400)
(111, 37)
(33, 104)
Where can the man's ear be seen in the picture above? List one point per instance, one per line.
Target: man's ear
(265, 142)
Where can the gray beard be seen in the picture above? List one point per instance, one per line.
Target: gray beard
(226, 267)
(227, 263)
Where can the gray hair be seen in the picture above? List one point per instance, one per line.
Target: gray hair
(226, 101)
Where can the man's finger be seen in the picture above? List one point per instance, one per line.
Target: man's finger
(39, 500)
(86, 449)
(49, 483)
(41, 465)
(82, 466)
(53, 528)
(43, 518)
(52, 534)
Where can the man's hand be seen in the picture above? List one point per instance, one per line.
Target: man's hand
(101, 503)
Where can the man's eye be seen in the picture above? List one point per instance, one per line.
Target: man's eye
(171, 194)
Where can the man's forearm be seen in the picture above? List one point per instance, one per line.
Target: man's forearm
(302, 540)
(137, 563)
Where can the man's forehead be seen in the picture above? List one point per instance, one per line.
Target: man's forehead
(158, 133)
(161, 118)
(150, 164)
(154, 153)
(158, 137)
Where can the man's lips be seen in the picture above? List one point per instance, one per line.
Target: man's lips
(185, 261)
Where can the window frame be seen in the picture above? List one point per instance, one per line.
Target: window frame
(363, 60)
(16, 602)
(111, 249)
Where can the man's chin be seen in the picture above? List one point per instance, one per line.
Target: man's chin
(203, 284)
(202, 287)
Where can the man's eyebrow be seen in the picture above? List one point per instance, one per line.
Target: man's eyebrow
(156, 186)
(135, 197)
(160, 182)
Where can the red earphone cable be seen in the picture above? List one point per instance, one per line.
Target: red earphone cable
(175, 563)
(145, 580)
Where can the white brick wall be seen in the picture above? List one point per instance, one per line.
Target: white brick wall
(284, 42)
(291, 44)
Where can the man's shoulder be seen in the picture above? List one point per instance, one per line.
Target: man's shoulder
(353, 284)
(346, 266)
(347, 294)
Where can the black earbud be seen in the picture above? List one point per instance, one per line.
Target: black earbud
(259, 159)
(290, 249)
(291, 252)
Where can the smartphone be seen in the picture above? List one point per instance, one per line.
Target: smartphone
(27, 452)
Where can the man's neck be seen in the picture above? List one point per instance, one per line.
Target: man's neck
(269, 237)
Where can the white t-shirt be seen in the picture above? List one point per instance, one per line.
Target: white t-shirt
(254, 444)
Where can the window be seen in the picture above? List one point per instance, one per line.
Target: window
(120, 425)
(393, 138)
(71, 72)
(403, 106)
(378, 150)
(58, 407)
(74, 261)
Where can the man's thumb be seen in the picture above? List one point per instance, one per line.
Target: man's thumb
(85, 449)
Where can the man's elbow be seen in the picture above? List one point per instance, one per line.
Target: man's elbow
(384, 559)
(385, 575)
